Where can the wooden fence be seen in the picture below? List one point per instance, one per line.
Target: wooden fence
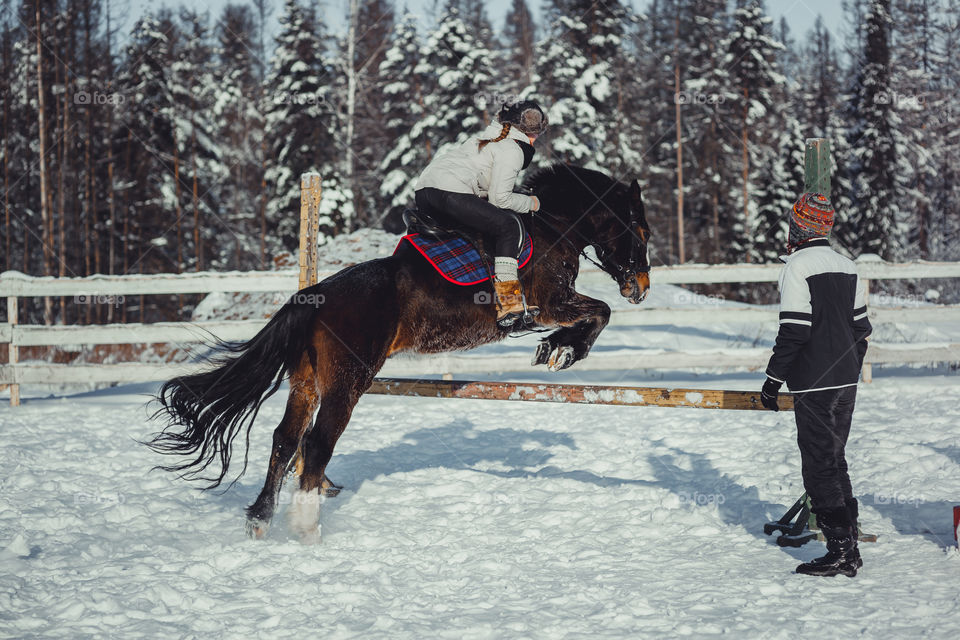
(14, 286)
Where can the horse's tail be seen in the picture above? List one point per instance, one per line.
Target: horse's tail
(214, 406)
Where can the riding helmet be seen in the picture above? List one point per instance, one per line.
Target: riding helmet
(525, 115)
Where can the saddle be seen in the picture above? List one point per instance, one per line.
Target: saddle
(457, 255)
(417, 221)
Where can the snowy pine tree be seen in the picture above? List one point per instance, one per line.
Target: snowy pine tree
(519, 36)
(458, 83)
(576, 72)
(300, 130)
(237, 112)
(944, 123)
(200, 152)
(876, 158)
(709, 137)
(751, 55)
(819, 76)
(402, 107)
(914, 65)
(149, 150)
(780, 156)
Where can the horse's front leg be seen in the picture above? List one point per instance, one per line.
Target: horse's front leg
(581, 319)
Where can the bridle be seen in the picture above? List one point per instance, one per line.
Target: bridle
(632, 261)
(622, 272)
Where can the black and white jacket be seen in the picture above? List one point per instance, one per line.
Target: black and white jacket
(823, 321)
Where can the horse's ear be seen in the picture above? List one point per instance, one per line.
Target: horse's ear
(635, 197)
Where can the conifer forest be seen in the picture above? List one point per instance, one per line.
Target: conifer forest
(177, 146)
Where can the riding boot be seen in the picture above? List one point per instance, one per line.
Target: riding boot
(853, 508)
(510, 302)
(841, 545)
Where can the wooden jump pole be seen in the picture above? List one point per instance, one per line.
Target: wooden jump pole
(576, 393)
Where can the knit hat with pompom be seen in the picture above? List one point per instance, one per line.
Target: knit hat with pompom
(810, 218)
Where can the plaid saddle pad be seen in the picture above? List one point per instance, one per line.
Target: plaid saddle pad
(457, 260)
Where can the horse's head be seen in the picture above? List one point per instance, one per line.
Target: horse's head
(620, 240)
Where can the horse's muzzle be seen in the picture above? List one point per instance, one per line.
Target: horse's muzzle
(635, 287)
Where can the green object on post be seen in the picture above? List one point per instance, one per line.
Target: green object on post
(817, 166)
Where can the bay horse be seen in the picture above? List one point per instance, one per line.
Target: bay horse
(332, 338)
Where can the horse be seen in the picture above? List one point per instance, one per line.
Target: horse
(331, 339)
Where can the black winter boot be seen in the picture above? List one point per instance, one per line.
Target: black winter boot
(841, 545)
(853, 508)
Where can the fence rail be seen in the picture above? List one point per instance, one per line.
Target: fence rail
(14, 285)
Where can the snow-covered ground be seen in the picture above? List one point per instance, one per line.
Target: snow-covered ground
(482, 519)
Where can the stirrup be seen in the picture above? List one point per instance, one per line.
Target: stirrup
(527, 316)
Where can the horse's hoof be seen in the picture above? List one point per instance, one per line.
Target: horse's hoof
(330, 490)
(304, 515)
(542, 355)
(561, 358)
(256, 528)
(311, 537)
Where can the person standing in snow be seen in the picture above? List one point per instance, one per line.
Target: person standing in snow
(471, 186)
(819, 353)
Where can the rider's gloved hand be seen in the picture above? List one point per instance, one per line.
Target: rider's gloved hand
(768, 395)
(536, 203)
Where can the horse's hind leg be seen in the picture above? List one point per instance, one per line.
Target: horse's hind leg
(302, 402)
(336, 407)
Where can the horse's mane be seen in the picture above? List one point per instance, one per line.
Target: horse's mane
(570, 184)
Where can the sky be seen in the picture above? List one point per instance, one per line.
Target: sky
(800, 14)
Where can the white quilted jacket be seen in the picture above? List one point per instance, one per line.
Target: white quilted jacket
(490, 173)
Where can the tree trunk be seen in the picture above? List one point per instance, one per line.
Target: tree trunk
(62, 187)
(125, 211)
(197, 238)
(681, 250)
(179, 213)
(747, 223)
(44, 204)
(7, 254)
(351, 110)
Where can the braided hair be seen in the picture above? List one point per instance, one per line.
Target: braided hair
(503, 134)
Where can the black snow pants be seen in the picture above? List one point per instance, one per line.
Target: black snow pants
(823, 424)
(473, 213)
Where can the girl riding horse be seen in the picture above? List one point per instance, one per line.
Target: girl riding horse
(471, 186)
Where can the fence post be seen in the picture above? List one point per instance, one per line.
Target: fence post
(13, 312)
(309, 234)
(309, 227)
(817, 166)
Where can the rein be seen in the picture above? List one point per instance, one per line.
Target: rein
(631, 262)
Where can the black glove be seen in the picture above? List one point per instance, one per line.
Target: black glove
(768, 395)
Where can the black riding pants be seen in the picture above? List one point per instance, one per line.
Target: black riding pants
(475, 214)
(823, 424)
